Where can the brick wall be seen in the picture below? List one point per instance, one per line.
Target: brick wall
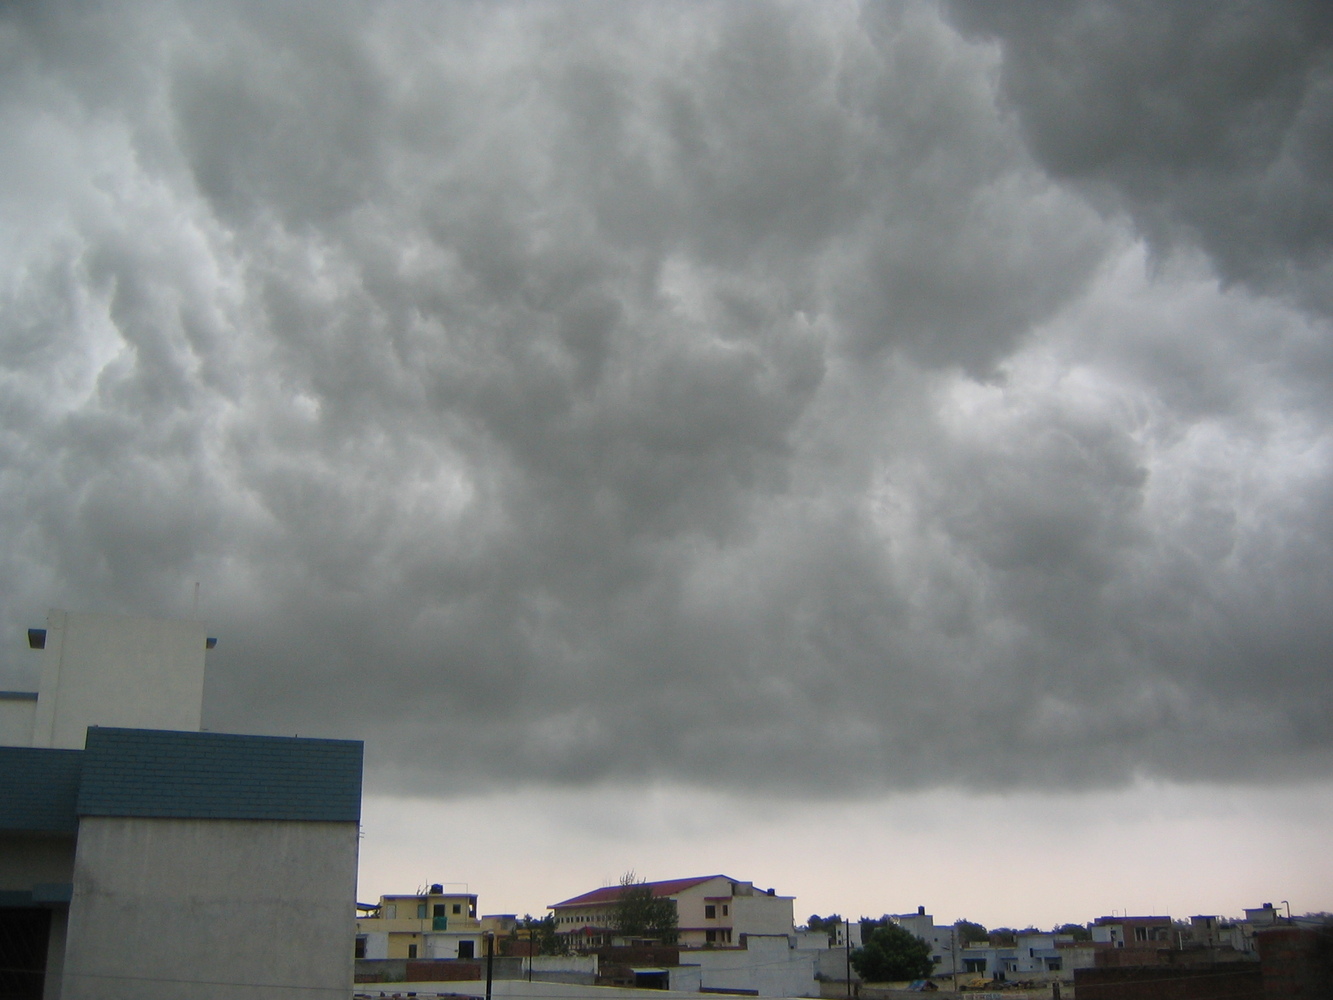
(1233, 980)
(1297, 963)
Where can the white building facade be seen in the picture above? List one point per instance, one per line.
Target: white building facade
(144, 862)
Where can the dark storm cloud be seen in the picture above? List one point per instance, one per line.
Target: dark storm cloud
(1212, 123)
(724, 393)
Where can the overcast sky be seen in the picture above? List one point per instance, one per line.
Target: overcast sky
(884, 452)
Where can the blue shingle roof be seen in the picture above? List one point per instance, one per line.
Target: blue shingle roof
(165, 774)
(38, 789)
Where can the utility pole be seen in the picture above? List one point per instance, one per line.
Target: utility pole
(847, 940)
(953, 955)
(490, 960)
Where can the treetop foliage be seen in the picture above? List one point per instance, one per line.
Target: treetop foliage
(639, 913)
(541, 930)
(969, 931)
(890, 954)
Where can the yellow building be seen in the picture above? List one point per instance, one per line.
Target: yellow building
(432, 924)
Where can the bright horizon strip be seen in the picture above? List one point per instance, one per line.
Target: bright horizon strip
(1017, 860)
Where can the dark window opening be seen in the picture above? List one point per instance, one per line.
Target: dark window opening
(23, 939)
(465, 949)
(710, 911)
(411, 951)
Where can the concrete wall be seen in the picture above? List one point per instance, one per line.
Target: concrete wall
(576, 969)
(52, 987)
(106, 670)
(561, 968)
(685, 978)
(28, 859)
(762, 914)
(765, 964)
(444, 944)
(211, 910)
(18, 712)
(377, 944)
(831, 964)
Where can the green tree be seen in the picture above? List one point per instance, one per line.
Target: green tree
(890, 954)
(869, 924)
(640, 913)
(970, 932)
(542, 933)
(829, 925)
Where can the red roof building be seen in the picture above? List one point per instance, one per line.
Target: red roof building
(712, 911)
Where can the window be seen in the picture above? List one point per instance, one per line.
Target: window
(458, 907)
(710, 911)
(710, 936)
(439, 910)
(724, 909)
(974, 965)
(1140, 934)
(465, 949)
(1052, 965)
(360, 946)
(411, 951)
(421, 911)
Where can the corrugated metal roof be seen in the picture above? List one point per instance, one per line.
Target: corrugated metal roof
(38, 789)
(610, 893)
(166, 774)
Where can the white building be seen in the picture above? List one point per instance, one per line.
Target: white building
(711, 911)
(141, 862)
(734, 937)
(943, 946)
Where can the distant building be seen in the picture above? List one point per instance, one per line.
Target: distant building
(733, 937)
(138, 862)
(941, 939)
(711, 911)
(436, 923)
(1134, 932)
(1219, 932)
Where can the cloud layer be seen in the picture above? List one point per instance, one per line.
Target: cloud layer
(822, 398)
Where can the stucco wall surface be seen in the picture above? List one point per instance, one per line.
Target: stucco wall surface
(763, 914)
(766, 965)
(211, 910)
(17, 715)
(28, 859)
(106, 670)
